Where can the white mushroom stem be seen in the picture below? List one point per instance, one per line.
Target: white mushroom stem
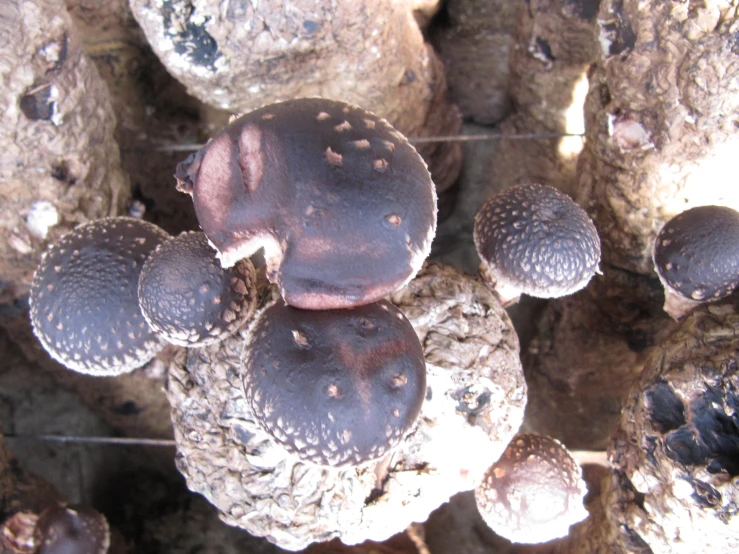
(506, 293)
(676, 305)
(590, 457)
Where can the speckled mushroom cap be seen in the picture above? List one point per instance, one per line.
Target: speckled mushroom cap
(696, 254)
(534, 492)
(341, 202)
(188, 298)
(84, 299)
(72, 530)
(536, 240)
(335, 387)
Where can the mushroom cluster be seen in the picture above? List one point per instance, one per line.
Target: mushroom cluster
(109, 294)
(344, 209)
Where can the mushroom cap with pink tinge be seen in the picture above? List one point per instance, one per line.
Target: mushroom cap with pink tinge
(534, 492)
(696, 253)
(335, 387)
(537, 240)
(188, 298)
(342, 204)
(84, 298)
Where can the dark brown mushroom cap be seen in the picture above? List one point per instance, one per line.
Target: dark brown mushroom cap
(534, 492)
(335, 387)
(72, 530)
(342, 203)
(84, 297)
(696, 253)
(536, 239)
(188, 298)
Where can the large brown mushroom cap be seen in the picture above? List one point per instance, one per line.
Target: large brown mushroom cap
(84, 298)
(188, 298)
(341, 202)
(534, 492)
(336, 387)
(72, 530)
(536, 240)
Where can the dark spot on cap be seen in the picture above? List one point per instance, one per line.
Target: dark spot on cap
(188, 298)
(666, 410)
(350, 167)
(538, 240)
(534, 492)
(696, 253)
(36, 103)
(350, 395)
(84, 299)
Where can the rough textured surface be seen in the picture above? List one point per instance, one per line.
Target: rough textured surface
(474, 403)
(56, 169)
(188, 298)
(555, 43)
(676, 449)
(84, 297)
(587, 353)
(661, 114)
(153, 109)
(474, 40)
(242, 56)
(535, 240)
(534, 492)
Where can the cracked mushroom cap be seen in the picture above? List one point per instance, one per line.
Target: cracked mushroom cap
(84, 298)
(696, 254)
(335, 387)
(536, 240)
(534, 492)
(188, 298)
(71, 530)
(342, 204)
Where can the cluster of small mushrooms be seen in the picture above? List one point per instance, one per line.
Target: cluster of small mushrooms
(344, 210)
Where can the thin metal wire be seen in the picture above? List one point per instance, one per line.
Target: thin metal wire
(419, 140)
(122, 441)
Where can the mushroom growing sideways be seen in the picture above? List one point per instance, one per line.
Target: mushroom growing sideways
(84, 299)
(188, 298)
(534, 492)
(535, 240)
(335, 387)
(342, 204)
(696, 255)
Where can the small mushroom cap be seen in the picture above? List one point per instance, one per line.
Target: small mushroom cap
(534, 492)
(84, 297)
(335, 387)
(343, 205)
(72, 530)
(537, 240)
(696, 254)
(188, 298)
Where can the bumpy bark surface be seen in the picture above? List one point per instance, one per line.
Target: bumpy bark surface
(474, 40)
(241, 56)
(587, 354)
(555, 43)
(153, 108)
(59, 163)
(661, 114)
(474, 406)
(675, 452)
